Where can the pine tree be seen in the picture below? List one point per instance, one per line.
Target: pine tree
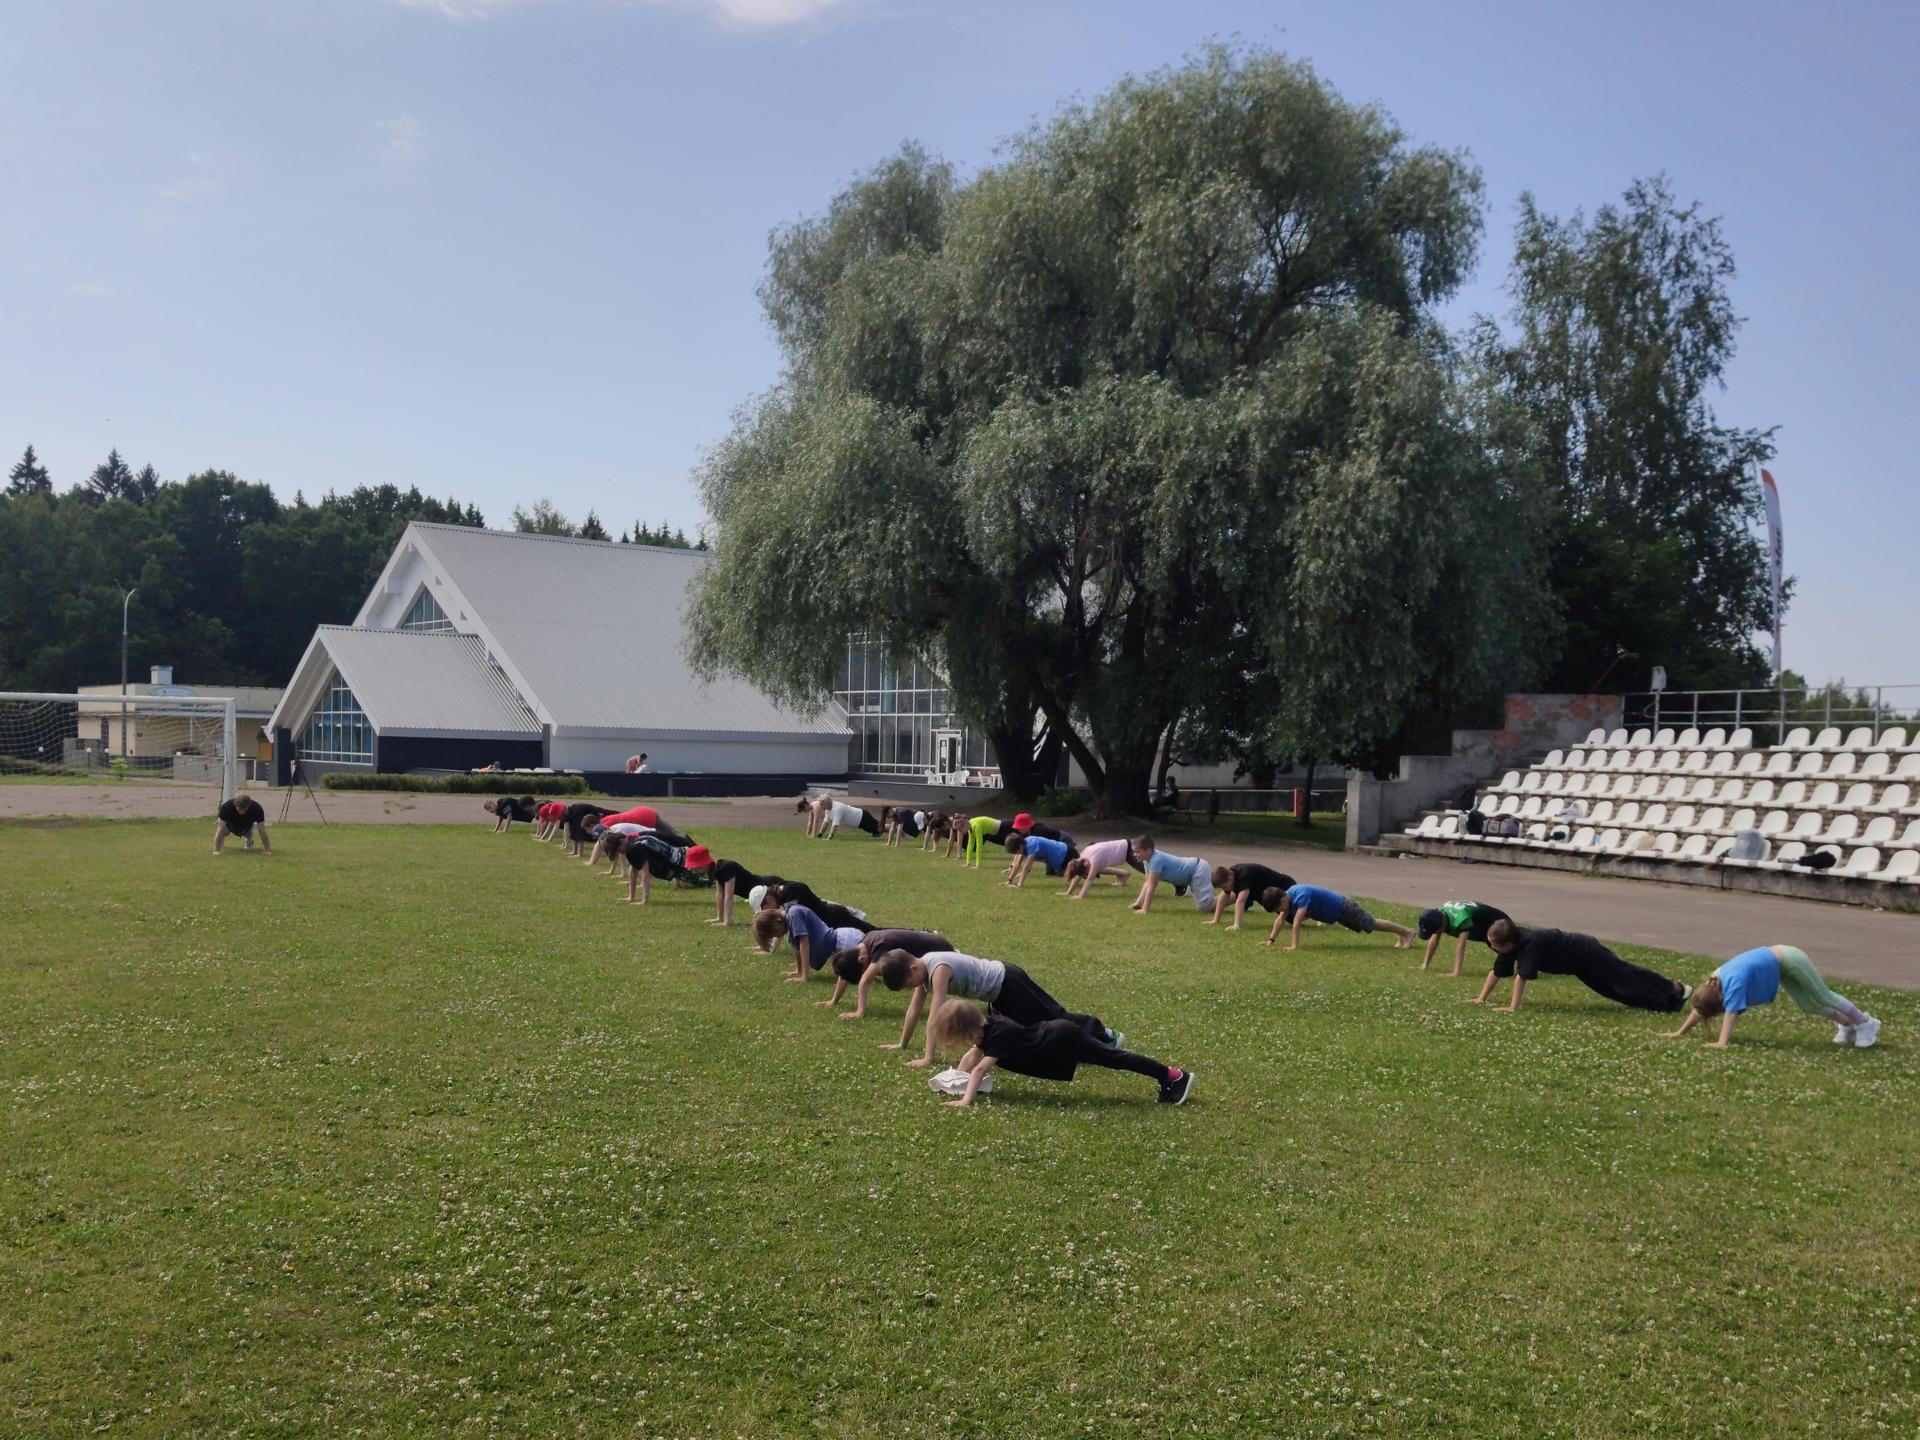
(591, 528)
(111, 479)
(29, 477)
(144, 486)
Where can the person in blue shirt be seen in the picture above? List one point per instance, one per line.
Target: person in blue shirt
(1330, 907)
(1756, 977)
(814, 941)
(1187, 873)
(1025, 849)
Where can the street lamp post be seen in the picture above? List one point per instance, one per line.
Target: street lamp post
(125, 604)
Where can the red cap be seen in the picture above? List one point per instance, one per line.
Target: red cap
(1023, 821)
(698, 858)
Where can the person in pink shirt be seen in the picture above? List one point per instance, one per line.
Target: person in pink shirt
(1104, 857)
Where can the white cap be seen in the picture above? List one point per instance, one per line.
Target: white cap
(756, 895)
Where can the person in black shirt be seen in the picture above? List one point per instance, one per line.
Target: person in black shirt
(1051, 1050)
(1528, 954)
(731, 878)
(241, 816)
(1469, 919)
(509, 808)
(1244, 883)
(580, 820)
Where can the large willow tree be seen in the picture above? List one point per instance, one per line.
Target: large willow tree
(1149, 419)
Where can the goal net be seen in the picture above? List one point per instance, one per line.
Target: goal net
(176, 739)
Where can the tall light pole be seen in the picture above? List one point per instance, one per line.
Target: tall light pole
(125, 604)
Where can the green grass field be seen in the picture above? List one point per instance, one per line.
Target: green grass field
(418, 1130)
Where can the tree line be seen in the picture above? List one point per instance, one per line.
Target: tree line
(1150, 436)
(231, 580)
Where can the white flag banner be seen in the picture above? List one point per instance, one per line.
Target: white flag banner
(1776, 557)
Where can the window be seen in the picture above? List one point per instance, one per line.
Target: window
(893, 708)
(425, 613)
(338, 729)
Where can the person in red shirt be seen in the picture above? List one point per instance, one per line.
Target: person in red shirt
(549, 818)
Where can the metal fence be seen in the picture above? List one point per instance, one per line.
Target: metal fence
(1772, 714)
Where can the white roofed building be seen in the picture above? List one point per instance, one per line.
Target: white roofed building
(479, 647)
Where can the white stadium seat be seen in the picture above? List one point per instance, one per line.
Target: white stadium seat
(1596, 737)
(1714, 739)
(1450, 827)
(1792, 795)
(1891, 739)
(1780, 764)
(1722, 763)
(1602, 812)
(1646, 787)
(1668, 762)
(1683, 818)
(1616, 738)
(1751, 763)
(1901, 865)
(1637, 842)
(1825, 796)
(1655, 817)
(1805, 826)
(1783, 857)
(1530, 810)
(1860, 864)
(1694, 847)
(1609, 841)
(1584, 837)
(1531, 782)
(1798, 738)
(1892, 799)
(1731, 792)
(1695, 763)
(1664, 740)
(1908, 768)
(1640, 739)
(1858, 797)
(1689, 739)
(1739, 820)
(1741, 739)
(1858, 738)
(1812, 764)
(1876, 766)
(1627, 814)
(1555, 759)
(1700, 789)
(1843, 829)
(1827, 739)
(1879, 831)
(1773, 825)
(1842, 765)
(1674, 789)
(1760, 794)
(1910, 838)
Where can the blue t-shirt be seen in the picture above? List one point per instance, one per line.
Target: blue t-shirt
(1050, 853)
(1174, 869)
(802, 922)
(1322, 905)
(1751, 978)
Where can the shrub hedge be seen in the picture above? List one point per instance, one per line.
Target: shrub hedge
(460, 784)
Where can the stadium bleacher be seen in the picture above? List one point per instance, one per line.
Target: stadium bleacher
(1685, 797)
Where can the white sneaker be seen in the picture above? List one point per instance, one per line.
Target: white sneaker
(1866, 1033)
(1843, 1034)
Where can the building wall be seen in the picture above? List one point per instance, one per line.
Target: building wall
(396, 754)
(824, 756)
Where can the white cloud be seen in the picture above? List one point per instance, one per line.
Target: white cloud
(403, 140)
(734, 14)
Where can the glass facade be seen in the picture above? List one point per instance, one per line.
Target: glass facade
(339, 729)
(425, 614)
(895, 708)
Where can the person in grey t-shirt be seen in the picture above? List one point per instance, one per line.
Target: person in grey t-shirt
(1007, 989)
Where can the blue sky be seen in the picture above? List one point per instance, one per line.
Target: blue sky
(508, 248)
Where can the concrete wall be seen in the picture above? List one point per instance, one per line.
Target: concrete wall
(1533, 725)
(823, 756)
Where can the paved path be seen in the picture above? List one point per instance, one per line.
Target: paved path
(1846, 941)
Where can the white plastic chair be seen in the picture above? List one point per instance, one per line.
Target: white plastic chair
(1555, 759)
(1665, 843)
(1640, 739)
(1647, 788)
(1754, 762)
(1798, 738)
(1714, 739)
(1689, 739)
(1429, 825)
(1827, 739)
(1655, 818)
(1892, 799)
(1793, 794)
(1842, 830)
(1616, 738)
(1609, 841)
(1700, 789)
(1805, 826)
(1627, 815)
(1637, 842)
(1511, 782)
(1858, 797)
(1665, 739)
(1694, 847)
(1450, 827)
(1620, 761)
(1760, 794)
(1860, 865)
(1669, 761)
(1684, 818)
(1858, 738)
(1722, 763)
(1910, 837)
(1877, 765)
(1596, 737)
(1721, 849)
(1695, 763)
(1894, 738)
(1731, 792)
(1773, 825)
(1531, 808)
(1780, 764)
(1531, 782)
(1741, 739)
(1784, 857)
(1825, 796)
(1674, 789)
(1645, 761)
(1879, 831)
(1741, 820)
(1908, 768)
(1901, 865)
(1812, 764)
(1584, 837)
(1842, 765)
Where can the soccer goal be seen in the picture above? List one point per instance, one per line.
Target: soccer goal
(178, 739)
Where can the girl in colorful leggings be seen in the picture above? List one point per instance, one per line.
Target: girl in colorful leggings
(1756, 977)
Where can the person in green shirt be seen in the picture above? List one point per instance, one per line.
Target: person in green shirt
(1468, 919)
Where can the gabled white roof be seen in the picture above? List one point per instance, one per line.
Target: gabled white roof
(590, 632)
(413, 683)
